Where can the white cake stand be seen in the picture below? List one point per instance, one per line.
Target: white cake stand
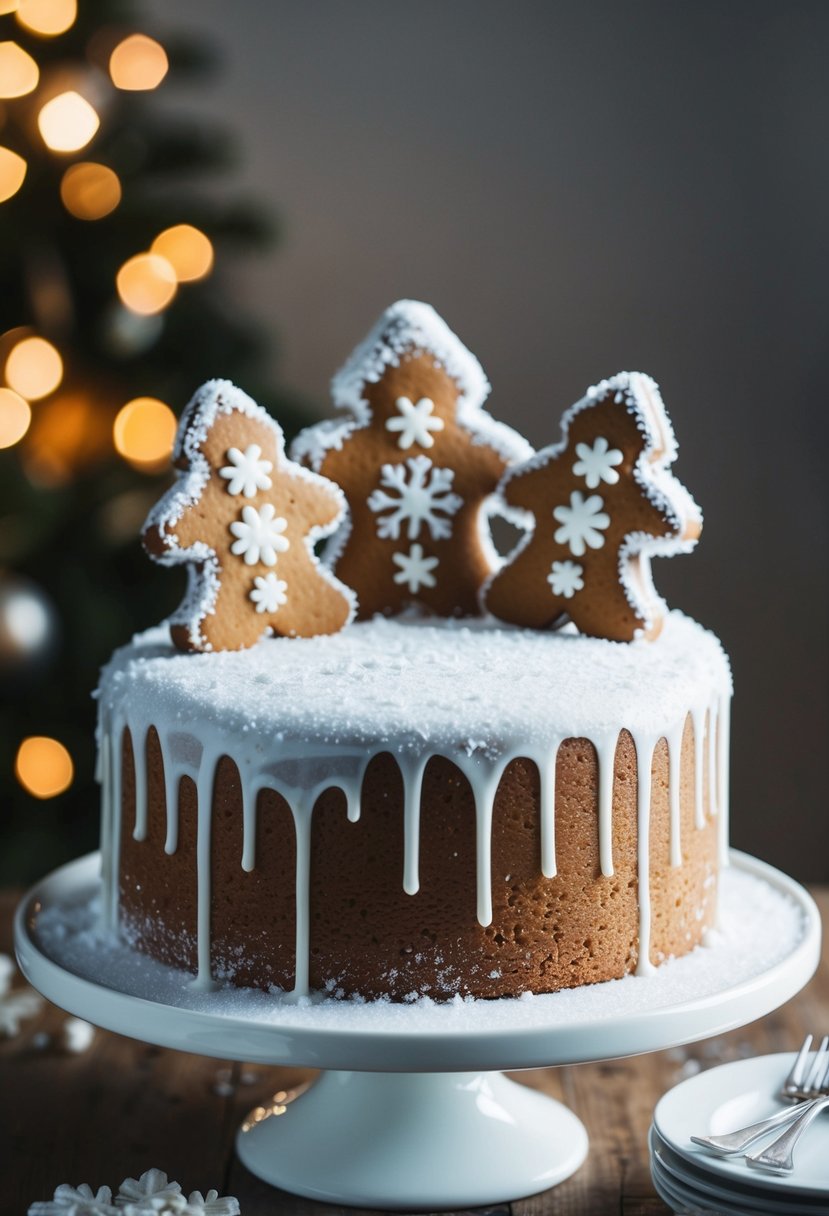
(411, 1112)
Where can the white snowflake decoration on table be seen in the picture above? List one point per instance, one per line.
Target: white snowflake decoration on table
(15, 1004)
(415, 569)
(566, 578)
(269, 593)
(414, 422)
(259, 535)
(151, 1193)
(247, 472)
(582, 523)
(421, 495)
(76, 1201)
(596, 464)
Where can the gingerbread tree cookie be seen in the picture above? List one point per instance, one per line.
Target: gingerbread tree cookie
(244, 519)
(604, 502)
(418, 459)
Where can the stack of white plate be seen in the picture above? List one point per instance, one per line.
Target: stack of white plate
(719, 1101)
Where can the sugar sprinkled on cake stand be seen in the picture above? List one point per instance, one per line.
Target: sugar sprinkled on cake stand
(412, 1110)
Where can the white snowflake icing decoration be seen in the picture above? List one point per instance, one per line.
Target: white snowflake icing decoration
(76, 1201)
(247, 473)
(259, 535)
(269, 593)
(582, 523)
(596, 464)
(415, 569)
(151, 1193)
(414, 422)
(421, 495)
(566, 578)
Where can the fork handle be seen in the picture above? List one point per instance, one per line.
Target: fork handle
(778, 1157)
(737, 1142)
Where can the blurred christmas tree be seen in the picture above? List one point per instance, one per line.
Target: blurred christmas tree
(111, 313)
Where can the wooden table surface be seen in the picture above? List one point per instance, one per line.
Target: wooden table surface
(121, 1107)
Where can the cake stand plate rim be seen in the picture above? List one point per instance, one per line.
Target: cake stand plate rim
(392, 1048)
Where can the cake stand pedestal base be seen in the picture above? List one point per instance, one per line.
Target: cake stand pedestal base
(423, 1140)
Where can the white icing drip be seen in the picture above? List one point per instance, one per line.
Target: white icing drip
(172, 780)
(250, 797)
(546, 765)
(712, 760)
(698, 719)
(723, 756)
(412, 773)
(606, 755)
(116, 782)
(108, 815)
(644, 758)
(139, 755)
(204, 789)
(302, 827)
(674, 790)
(303, 762)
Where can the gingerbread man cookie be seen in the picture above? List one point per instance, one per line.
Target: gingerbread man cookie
(418, 459)
(244, 519)
(604, 502)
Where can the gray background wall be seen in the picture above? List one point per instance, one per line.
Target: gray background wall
(581, 188)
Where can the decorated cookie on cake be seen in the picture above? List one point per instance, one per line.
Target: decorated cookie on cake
(418, 459)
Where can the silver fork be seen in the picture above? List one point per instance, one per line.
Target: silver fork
(778, 1157)
(801, 1086)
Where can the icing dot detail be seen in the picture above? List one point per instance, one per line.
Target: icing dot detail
(566, 578)
(259, 535)
(581, 522)
(596, 464)
(414, 422)
(269, 593)
(415, 569)
(247, 472)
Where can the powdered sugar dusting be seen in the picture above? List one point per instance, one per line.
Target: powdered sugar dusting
(409, 684)
(760, 926)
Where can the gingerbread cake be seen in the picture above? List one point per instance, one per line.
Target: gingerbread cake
(407, 767)
(416, 807)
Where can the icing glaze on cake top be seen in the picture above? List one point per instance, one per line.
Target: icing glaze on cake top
(405, 686)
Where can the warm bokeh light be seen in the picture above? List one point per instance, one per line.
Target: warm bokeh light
(71, 433)
(15, 416)
(19, 73)
(146, 283)
(143, 433)
(188, 251)
(90, 191)
(68, 122)
(34, 368)
(138, 63)
(43, 766)
(47, 17)
(12, 173)
(7, 6)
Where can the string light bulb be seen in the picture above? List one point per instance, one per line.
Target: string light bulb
(143, 433)
(12, 173)
(90, 191)
(47, 17)
(43, 766)
(34, 368)
(19, 73)
(15, 416)
(138, 63)
(188, 251)
(146, 283)
(68, 122)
